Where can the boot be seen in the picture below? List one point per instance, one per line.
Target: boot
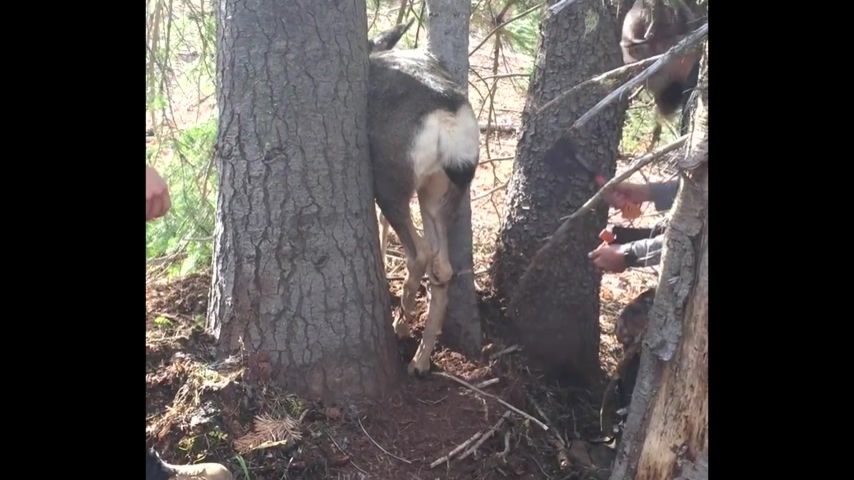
(157, 469)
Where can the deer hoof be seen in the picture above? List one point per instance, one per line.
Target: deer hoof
(418, 371)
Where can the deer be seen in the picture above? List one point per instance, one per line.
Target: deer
(423, 139)
(651, 27)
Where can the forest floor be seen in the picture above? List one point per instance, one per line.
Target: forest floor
(200, 410)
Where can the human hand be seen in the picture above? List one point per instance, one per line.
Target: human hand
(608, 258)
(157, 200)
(628, 193)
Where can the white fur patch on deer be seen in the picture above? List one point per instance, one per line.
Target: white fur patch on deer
(445, 140)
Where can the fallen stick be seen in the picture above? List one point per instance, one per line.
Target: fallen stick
(510, 349)
(486, 436)
(447, 458)
(378, 445)
(558, 442)
(487, 383)
(503, 453)
(494, 397)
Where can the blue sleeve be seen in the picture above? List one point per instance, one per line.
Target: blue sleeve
(663, 194)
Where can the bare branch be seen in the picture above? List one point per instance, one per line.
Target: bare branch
(496, 159)
(486, 194)
(459, 448)
(378, 445)
(494, 397)
(506, 75)
(615, 73)
(486, 383)
(559, 6)
(560, 234)
(510, 349)
(687, 43)
(486, 436)
(492, 32)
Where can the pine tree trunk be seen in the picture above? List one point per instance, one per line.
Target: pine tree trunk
(556, 313)
(297, 275)
(448, 34)
(666, 435)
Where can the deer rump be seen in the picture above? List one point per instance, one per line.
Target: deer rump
(424, 138)
(416, 111)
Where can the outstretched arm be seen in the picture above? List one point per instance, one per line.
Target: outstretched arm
(157, 200)
(617, 258)
(661, 194)
(643, 253)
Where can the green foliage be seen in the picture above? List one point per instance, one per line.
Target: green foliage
(180, 73)
(523, 34)
(639, 124)
(188, 228)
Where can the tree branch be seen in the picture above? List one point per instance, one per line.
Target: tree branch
(615, 73)
(492, 32)
(687, 43)
(562, 231)
(559, 6)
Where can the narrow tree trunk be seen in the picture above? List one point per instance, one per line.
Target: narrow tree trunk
(297, 275)
(448, 40)
(556, 313)
(666, 433)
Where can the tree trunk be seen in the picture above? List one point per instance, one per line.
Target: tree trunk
(448, 40)
(556, 313)
(297, 275)
(666, 433)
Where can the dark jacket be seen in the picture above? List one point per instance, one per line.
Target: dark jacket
(647, 252)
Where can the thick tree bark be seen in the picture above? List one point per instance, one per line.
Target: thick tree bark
(448, 40)
(297, 275)
(556, 311)
(666, 433)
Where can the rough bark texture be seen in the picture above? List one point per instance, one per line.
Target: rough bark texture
(556, 313)
(448, 40)
(297, 275)
(666, 433)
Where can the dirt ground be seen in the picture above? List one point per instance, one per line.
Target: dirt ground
(201, 410)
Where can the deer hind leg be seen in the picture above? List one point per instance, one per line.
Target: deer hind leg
(438, 199)
(416, 251)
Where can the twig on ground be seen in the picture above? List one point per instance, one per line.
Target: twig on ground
(508, 350)
(487, 383)
(486, 436)
(558, 441)
(494, 397)
(378, 445)
(459, 448)
(503, 453)
(432, 403)
(345, 453)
